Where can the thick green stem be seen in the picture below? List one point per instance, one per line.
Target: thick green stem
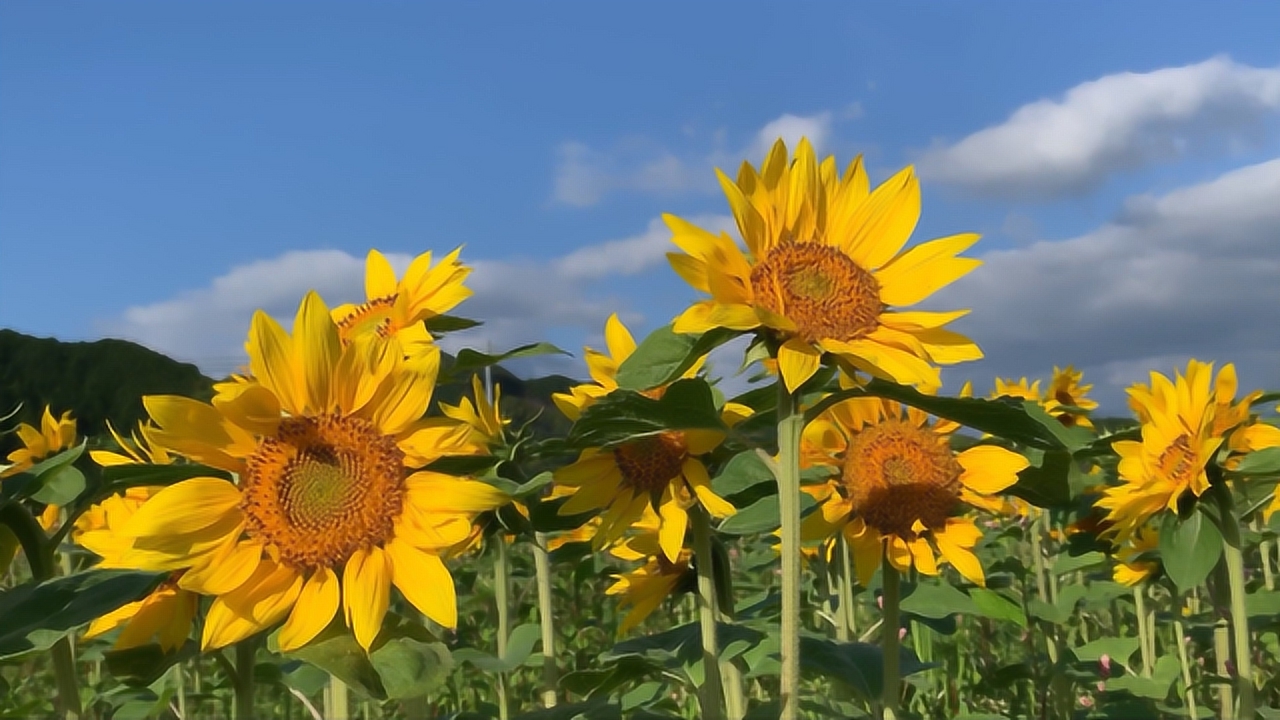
(501, 589)
(712, 688)
(1180, 637)
(889, 641)
(790, 425)
(1221, 651)
(246, 652)
(40, 551)
(337, 704)
(546, 617)
(846, 625)
(1232, 555)
(1140, 611)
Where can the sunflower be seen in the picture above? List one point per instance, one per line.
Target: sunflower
(660, 471)
(482, 416)
(644, 588)
(901, 488)
(824, 262)
(1180, 434)
(1130, 568)
(399, 307)
(1065, 391)
(53, 436)
(1019, 388)
(328, 511)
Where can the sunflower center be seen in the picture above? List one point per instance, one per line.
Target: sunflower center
(649, 464)
(1179, 462)
(897, 473)
(322, 488)
(372, 316)
(819, 288)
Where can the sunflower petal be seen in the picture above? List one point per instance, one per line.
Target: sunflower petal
(366, 593)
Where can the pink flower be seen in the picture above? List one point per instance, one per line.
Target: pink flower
(1105, 662)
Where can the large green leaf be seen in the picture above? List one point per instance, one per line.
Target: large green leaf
(1046, 484)
(60, 485)
(34, 615)
(858, 665)
(997, 607)
(665, 355)
(936, 600)
(469, 361)
(1015, 420)
(410, 667)
(1260, 462)
(1155, 687)
(762, 516)
(519, 647)
(1189, 548)
(625, 415)
(1119, 649)
(743, 471)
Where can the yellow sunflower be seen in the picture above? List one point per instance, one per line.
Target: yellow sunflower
(661, 471)
(482, 416)
(53, 436)
(1129, 569)
(644, 588)
(824, 264)
(1180, 434)
(1065, 390)
(901, 488)
(399, 307)
(328, 511)
(1019, 388)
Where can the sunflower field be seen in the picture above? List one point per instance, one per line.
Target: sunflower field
(327, 539)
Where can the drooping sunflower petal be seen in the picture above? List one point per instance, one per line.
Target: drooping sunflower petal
(425, 582)
(798, 361)
(316, 605)
(366, 593)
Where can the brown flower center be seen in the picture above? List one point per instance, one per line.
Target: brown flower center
(372, 316)
(322, 488)
(649, 464)
(819, 288)
(1180, 462)
(897, 473)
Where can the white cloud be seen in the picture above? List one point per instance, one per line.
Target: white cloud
(1051, 148)
(520, 301)
(584, 176)
(1193, 273)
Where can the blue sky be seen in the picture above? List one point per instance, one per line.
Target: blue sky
(165, 168)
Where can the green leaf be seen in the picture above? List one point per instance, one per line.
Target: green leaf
(1189, 548)
(1006, 418)
(596, 709)
(145, 664)
(336, 652)
(8, 548)
(625, 415)
(409, 667)
(1260, 462)
(1067, 563)
(856, 664)
(1047, 484)
(665, 355)
(468, 360)
(441, 324)
(119, 477)
(762, 516)
(936, 600)
(1261, 603)
(743, 471)
(997, 607)
(1155, 687)
(519, 647)
(643, 694)
(60, 485)
(1119, 649)
(34, 615)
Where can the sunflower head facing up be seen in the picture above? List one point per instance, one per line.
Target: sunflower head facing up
(399, 307)
(660, 472)
(328, 512)
(53, 436)
(824, 263)
(901, 489)
(1179, 437)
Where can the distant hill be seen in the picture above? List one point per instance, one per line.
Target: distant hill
(97, 381)
(106, 379)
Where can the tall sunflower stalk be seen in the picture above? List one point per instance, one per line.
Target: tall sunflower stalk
(824, 262)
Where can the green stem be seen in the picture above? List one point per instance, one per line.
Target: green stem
(546, 617)
(1232, 555)
(845, 627)
(246, 652)
(712, 689)
(1186, 669)
(1222, 650)
(501, 588)
(337, 700)
(889, 640)
(1037, 552)
(1140, 610)
(39, 551)
(790, 425)
(180, 689)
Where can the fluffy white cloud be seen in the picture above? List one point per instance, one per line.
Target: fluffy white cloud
(1193, 273)
(584, 176)
(520, 301)
(1051, 148)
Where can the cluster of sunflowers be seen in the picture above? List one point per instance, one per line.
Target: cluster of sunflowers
(325, 487)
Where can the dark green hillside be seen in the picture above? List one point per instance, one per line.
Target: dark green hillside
(98, 381)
